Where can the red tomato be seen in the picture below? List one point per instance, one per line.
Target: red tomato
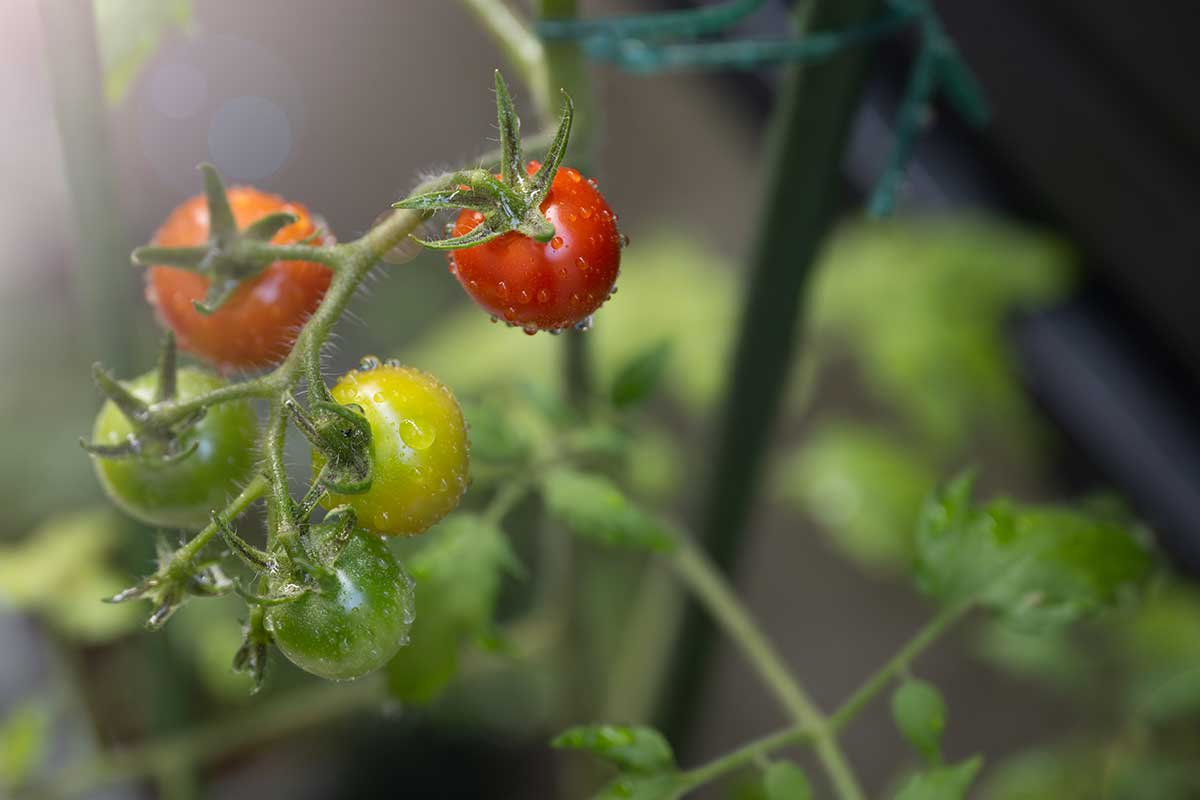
(257, 326)
(545, 285)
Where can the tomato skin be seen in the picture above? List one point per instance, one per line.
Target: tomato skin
(419, 449)
(353, 622)
(551, 285)
(257, 326)
(183, 494)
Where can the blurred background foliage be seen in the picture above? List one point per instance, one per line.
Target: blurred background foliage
(906, 377)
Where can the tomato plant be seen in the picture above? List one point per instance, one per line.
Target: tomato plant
(352, 616)
(545, 285)
(183, 492)
(419, 448)
(257, 323)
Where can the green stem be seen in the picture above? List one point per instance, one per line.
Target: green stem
(706, 581)
(103, 280)
(745, 755)
(929, 634)
(186, 555)
(808, 134)
(287, 713)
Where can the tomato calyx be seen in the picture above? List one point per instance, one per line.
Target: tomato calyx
(152, 438)
(228, 259)
(172, 583)
(343, 436)
(510, 202)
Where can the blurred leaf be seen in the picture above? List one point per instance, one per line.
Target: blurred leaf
(921, 305)
(920, 713)
(784, 780)
(1155, 777)
(942, 783)
(634, 748)
(593, 507)
(1046, 656)
(24, 742)
(1158, 649)
(864, 487)
(638, 377)
(654, 464)
(642, 787)
(494, 435)
(130, 32)
(1070, 772)
(61, 572)
(457, 574)
(1034, 565)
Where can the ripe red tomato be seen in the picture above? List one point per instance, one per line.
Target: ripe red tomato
(257, 326)
(545, 285)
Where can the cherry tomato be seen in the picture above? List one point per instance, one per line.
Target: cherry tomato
(545, 285)
(351, 621)
(257, 326)
(419, 448)
(184, 493)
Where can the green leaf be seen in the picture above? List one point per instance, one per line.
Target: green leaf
(920, 714)
(663, 786)
(634, 748)
(594, 508)
(784, 780)
(494, 436)
(24, 742)
(62, 571)
(942, 783)
(1034, 565)
(458, 574)
(638, 377)
(130, 32)
(864, 486)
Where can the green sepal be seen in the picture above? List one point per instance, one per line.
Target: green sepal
(168, 371)
(265, 228)
(222, 227)
(343, 437)
(219, 290)
(251, 656)
(167, 592)
(256, 559)
(191, 258)
(510, 203)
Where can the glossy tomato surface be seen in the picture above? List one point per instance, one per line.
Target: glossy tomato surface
(419, 449)
(257, 326)
(546, 285)
(185, 493)
(352, 621)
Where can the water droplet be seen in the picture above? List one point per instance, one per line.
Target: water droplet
(562, 271)
(502, 290)
(575, 299)
(624, 240)
(584, 324)
(543, 296)
(524, 296)
(510, 313)
(592, 183)
(586, 212)
(494, 319)
(529, 330)
(368, 363)
(393, 362)
(556, 331)
(575, 176)
(416, 435)
(581, 262)
(572, 217)
(378, 397)
(473, 284)
(556, 243)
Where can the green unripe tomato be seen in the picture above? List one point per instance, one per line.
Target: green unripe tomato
(353, 621)
(185, 493)
(419, 448)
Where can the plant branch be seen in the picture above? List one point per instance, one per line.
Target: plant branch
(185, 557)
(929, 634)
(711, 589)
(521, 47)
(747, 754)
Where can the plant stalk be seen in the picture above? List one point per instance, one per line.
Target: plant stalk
(808, 135)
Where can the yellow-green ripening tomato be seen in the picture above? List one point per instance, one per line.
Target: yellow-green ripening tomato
(419, 448)
(184, 493)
